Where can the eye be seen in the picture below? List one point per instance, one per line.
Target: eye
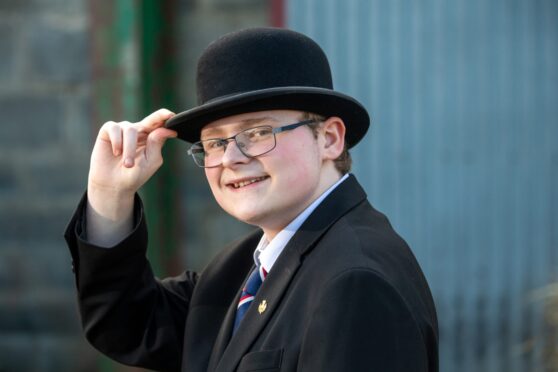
(213, 145)
(259, 133)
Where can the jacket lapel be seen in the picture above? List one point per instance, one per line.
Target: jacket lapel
(224, 335)
(345, 197)
(226, 279)
(258, 314)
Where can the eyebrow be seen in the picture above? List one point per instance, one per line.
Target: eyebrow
(242, 124)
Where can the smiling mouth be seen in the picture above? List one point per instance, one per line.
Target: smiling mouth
(238, 185)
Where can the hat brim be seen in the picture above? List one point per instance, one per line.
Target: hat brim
(326, 102)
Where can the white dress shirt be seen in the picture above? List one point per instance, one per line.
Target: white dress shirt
(267, 252)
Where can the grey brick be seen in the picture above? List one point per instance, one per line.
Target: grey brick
(28, 225)
(14, 353)
(27, 7)
(45, 353)
(38, 312)
(10, 270)
(78, 132)
(8, 179)
(56, 179)
(29, 121)
(58, 55)
(19, 270)
(8, 48)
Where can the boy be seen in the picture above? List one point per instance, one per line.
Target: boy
(324, 284)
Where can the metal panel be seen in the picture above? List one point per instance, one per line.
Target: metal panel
(462, 156)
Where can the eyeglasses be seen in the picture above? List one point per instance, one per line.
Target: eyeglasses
(251, 142)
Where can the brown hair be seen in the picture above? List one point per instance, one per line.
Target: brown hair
(343, 161)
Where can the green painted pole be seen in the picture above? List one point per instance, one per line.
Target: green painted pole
(115, 78)
(133, 72)
(158, 74)
(115, 61)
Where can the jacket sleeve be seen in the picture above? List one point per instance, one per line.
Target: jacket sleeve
(361, 323)
(127, 313)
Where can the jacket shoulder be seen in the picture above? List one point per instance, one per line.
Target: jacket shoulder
(363, 240)
(226, 271)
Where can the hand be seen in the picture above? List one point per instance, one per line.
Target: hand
(124, 157)
(127, 154)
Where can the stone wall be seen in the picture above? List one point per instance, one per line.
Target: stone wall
(44, 145)
(46, 136)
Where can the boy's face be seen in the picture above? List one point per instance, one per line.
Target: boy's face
(272, 189)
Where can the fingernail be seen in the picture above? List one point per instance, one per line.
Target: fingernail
(128, 163)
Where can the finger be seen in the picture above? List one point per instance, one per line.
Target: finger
(156, 119)
(114, 132)
(130, 140)
(155, 142)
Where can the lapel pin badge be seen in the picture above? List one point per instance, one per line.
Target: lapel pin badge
(262, 306)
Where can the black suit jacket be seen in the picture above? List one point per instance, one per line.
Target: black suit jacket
(346, 294)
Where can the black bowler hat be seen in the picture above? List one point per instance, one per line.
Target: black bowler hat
(261, 69)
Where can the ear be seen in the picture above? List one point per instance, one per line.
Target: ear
(333, 131)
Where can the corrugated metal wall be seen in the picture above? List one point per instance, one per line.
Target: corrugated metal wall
(462, 156)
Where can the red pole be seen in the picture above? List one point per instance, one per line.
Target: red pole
(277, 16)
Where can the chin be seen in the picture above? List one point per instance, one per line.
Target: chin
(250, 217)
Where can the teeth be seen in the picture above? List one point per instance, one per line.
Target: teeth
(236, 185)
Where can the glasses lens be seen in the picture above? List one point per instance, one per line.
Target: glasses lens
(251, 142)
(198, 154)
(256, 141)
(208, 153)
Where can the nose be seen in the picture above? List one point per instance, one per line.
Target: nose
(233, 155)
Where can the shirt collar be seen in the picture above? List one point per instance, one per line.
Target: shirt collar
(267, 252)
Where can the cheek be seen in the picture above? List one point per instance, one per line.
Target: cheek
(301, 161)
(213, 176)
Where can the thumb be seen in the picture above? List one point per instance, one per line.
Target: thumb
(155, 142)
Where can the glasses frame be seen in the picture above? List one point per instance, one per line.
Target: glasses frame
(226, 141)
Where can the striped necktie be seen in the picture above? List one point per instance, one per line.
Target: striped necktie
(248, 292)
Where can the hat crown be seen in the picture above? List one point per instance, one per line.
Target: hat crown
(260, 58)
